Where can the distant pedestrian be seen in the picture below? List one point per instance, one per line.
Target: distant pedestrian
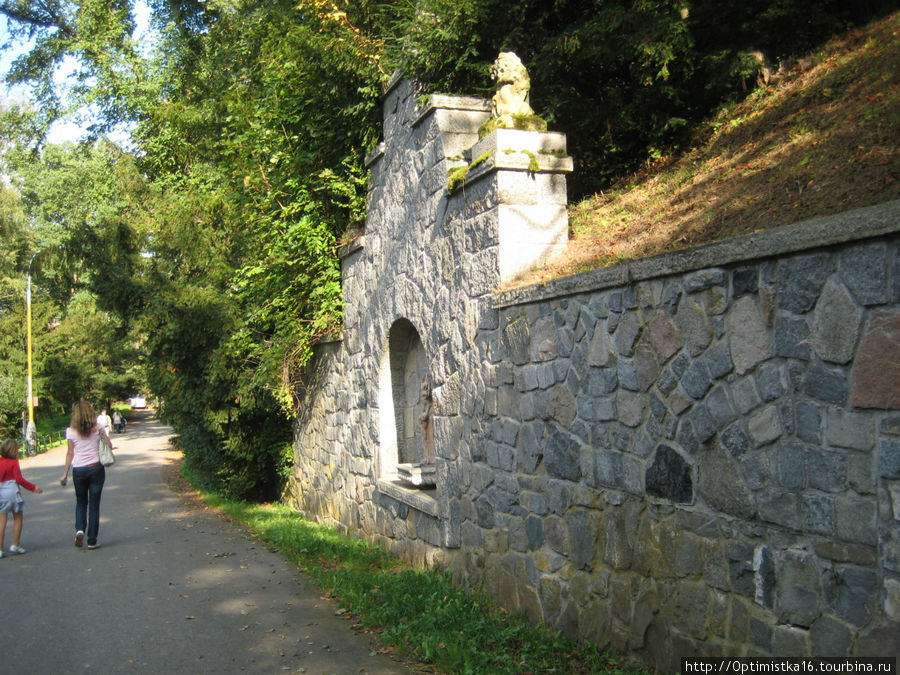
(30, 438)
(88, 474)
(10, 496)
(118, 421)
(104, 422)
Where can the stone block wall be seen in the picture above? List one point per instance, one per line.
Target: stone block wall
(692, 454)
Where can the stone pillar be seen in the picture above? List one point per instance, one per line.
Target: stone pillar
(529, 170)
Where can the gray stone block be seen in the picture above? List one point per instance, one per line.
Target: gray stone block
(751, 340)
(825, 384)
(864, 269)
(626, 335)
(790, 641)
(583, 528)
(693, 326)
(827, 471)
(562, 456)
(809, 422)
(855, 594)
(718, 360)
(627, 376)
(761, 634)
(896, 275)
(741, 574)
(686, 437)
(608, 469)
(856, 519)
(798, 592)
(789, 462)
(792, 338)
(889, 458)
(848, 429)
(720, 407)
(699, 281)
(830, 637)
(695, 380)
(703, 422)
(630, 407)
(744, 281)
(534, 532)
(874, 378)
(818, 513)
(743, 392)
(800, 281)
(780, 508)
(657, 407)
(764, 427)
(734, 440)
(646, 367)
(669, 477)
(666, 382)
(664, 337)
(836, 323)
(769, 381)
(719, 484)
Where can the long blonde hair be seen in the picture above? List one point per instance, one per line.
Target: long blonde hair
(83, 418)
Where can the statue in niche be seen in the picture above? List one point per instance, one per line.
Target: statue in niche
(425, 419)
(511, 104)
(423, 474)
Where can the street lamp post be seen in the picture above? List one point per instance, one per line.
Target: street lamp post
(30, 428)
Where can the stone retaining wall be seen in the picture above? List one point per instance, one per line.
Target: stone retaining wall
(693, 454)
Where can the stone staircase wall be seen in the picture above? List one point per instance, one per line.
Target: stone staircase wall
(692, 454)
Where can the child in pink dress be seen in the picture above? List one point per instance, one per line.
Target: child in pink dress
(10, 497)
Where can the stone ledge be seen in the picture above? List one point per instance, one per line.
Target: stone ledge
(416, 499)
(443, 102)
(859, 224)
(517, 150)
(352, 247)
(375, 155)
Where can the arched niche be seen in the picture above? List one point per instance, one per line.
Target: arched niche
(402, 400)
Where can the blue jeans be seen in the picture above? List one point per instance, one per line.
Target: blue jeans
(88, 482)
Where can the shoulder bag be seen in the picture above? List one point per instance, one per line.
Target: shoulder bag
(107, 458)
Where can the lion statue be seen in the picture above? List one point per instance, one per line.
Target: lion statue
(513, 89)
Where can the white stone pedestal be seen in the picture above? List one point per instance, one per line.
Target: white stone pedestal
(530, 169)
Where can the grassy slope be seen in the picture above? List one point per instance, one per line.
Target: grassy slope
(820, 138)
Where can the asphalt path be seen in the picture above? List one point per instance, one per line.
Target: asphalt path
(173, 588)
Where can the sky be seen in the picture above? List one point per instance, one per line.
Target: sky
(63, 130)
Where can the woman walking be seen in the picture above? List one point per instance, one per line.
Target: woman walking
(88, 474)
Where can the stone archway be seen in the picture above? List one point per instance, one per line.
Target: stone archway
(403, 370)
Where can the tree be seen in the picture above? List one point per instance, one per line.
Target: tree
(625, 79)
(13, 249)
(68, 200)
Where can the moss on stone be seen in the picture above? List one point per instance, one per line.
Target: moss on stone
(521, 122)
(457, 175)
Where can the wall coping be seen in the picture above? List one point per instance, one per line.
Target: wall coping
(416, 499)
(444, 102)
(858, 224)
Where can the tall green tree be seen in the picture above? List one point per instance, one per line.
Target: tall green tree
(14, 246)
(69, 201)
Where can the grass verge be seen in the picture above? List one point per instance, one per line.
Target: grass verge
(417, 614)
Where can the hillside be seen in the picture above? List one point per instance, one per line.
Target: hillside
(820, 137)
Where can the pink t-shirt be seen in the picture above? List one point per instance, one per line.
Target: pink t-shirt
(87, 449)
